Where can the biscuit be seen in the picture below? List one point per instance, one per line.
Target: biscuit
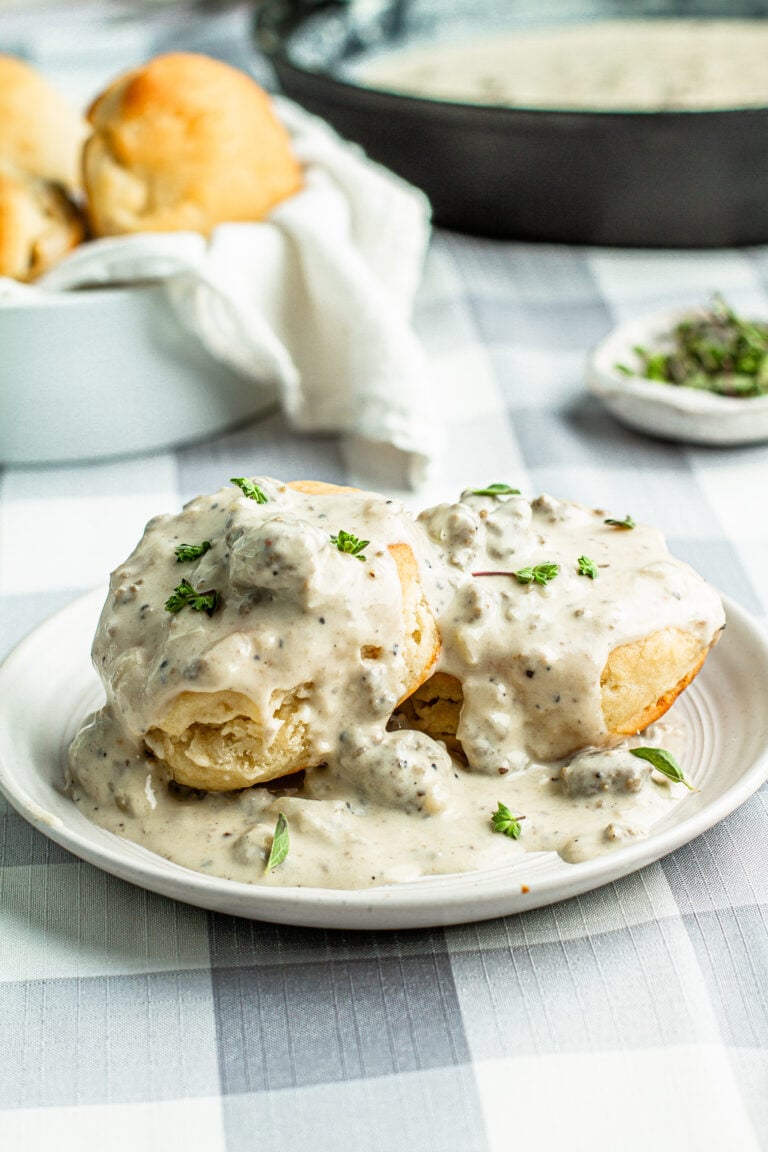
(39, 225)
(40, 135)
(224, 740)
(641, 680)
(639, 683)
(185, 143)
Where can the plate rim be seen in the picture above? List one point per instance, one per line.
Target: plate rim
(471, 896)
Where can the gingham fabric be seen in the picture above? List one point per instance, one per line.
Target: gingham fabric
(634, 1017)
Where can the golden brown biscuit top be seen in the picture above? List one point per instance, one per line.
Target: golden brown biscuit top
(185, 142)
(40, 134)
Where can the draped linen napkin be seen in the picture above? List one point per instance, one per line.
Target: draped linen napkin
(317, 299)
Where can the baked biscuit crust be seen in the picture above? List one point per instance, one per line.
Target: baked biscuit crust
(40, 135)
(39, 225)
(640, 682)
(226, 740)
(185, 143)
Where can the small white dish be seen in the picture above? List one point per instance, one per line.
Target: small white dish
(666, 410)
(104, 372)
(47, 685)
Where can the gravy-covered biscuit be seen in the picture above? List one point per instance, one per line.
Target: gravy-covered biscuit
(640, 682)
(185, 142)
(561, 627)
(315, 622)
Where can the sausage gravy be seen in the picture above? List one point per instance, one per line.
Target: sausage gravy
(384, 803)
(608, 65)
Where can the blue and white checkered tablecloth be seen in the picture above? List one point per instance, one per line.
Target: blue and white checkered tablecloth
(634, 1017)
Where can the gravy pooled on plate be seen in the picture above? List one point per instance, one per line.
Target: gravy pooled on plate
(385, 689)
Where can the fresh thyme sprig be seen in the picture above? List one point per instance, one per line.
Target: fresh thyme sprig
(663, 762)
(191, 551)
(587, 567)
(185, 596)
(503, 821)
(538, 574)
(347, 542)
(249, 489)
(280, 843)
(627, 522)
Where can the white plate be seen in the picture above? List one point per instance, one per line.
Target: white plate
(47, 685)
(674, 413)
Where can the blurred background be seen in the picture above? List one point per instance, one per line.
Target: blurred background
(81, 45)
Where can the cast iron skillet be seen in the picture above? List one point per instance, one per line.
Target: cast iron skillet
(666, 179)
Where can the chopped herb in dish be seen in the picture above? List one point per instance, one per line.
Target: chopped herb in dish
(714, 351)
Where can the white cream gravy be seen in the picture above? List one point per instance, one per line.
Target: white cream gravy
(631, 65)
(386, 804)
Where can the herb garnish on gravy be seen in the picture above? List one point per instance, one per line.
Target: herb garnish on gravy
(627, 522)
(280, 843)
(249, 489)
(185, 596)
(185, 552)
(503, 821)
(349, 543)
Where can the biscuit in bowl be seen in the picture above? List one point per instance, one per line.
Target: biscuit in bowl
(40, 134)
(564, 629)
(39, 225)
(185, 142)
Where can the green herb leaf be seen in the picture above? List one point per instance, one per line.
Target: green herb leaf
(191, 551)
(249, 489)
(280, 844)
(627, 522)
(184, 595)
(539, 574)
(346, 542)
(712, 350)
(495, 490)
(503, 821)
(663, 762)
(587, 567)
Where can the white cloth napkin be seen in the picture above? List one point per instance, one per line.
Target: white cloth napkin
(317, 300)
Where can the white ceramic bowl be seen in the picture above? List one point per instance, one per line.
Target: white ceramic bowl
(104, 372)
(673, 413)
